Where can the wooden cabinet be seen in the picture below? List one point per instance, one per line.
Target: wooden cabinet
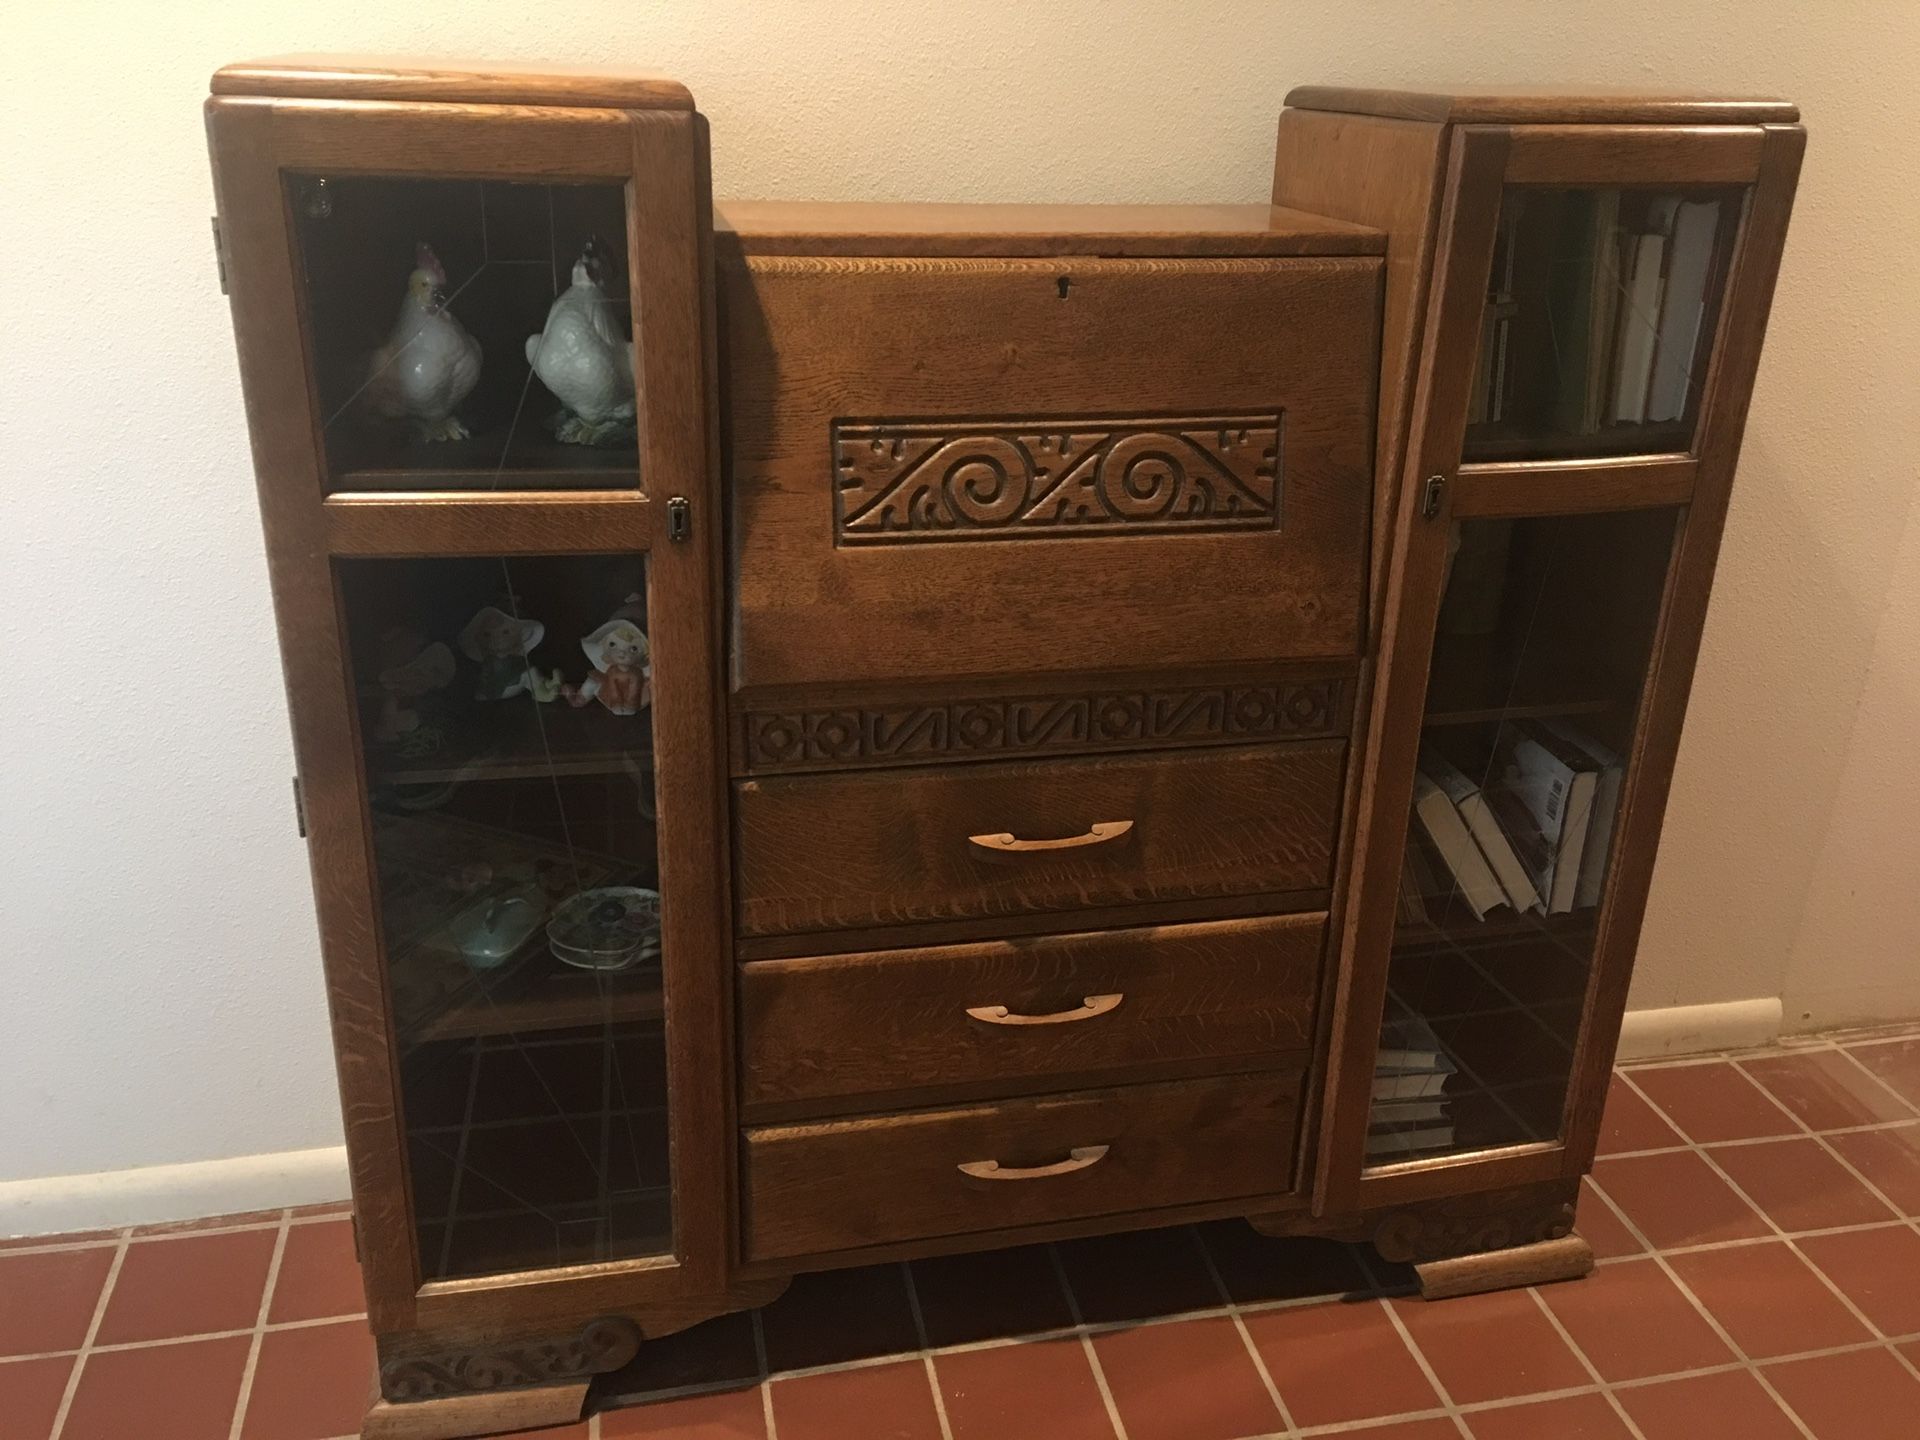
(832, 732)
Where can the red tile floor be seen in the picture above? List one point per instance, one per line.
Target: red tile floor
(1759, 1276)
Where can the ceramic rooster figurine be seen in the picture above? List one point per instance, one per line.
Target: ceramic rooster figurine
(429, 363)
(584, 358)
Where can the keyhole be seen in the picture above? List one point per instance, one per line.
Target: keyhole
(1063, 284)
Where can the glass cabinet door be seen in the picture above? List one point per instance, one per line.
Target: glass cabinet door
(506, 727)
(1541, 649)
(468, 334)
(1600, 306)
(1575, 417)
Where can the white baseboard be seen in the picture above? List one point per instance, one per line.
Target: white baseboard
(1690, 1029)
(158, 1193)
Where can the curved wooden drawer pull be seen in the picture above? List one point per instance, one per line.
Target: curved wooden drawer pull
(1078, 1158)
(1093, 1005)
(1097, 834)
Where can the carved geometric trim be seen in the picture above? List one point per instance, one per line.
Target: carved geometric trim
(1445, 1230)
(602, 1345)
(918, 481)
(996, 727)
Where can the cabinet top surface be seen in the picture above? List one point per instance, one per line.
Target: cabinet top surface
(774, 227)
(398, 78)
(1537, 107)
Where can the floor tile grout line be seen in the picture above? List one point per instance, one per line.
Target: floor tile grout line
(926, 1353)
(1878, 1078)
(1447, 1402)
(1700, 1305)
(1079, 1319)
(766, 1377)
(1246, 1336)
(248, 1370)
(86, 1344)
(1580, 1354)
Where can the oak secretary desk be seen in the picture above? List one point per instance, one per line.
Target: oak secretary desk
(1139, 714)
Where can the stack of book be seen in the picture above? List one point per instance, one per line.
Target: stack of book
(1617, 288)
(1533, 836)
(1411, 1114)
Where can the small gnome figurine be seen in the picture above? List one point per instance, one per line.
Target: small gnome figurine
(622, 678)
(500, 643)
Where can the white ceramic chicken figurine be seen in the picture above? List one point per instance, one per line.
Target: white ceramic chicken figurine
(429, 363)
(584, 358)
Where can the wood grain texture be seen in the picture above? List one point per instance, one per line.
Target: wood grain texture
(1074, 720)
(381, 138)
(812, 340)
(1542, 1263)
(1633, 154)
(825, 852)
(1386, 174)
(1572, 487)
(886, 1178)
(1543, 107)
(775, 227)
(496, 523)
(394, 77)
(287, 461)
(896, 1023)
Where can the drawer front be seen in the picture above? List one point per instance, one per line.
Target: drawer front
(948, 469)
(893, 1027)
(837, 852)
(812, 1189)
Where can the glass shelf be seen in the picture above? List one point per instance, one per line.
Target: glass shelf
(1541, 648)
(1600, 309)
(421, 298)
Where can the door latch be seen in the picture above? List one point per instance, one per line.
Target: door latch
(1431, 496)
(220, 254)
(679, 519)
(299, 808)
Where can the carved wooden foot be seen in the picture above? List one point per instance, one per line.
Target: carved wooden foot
(1474, 1243)
(490, 1388)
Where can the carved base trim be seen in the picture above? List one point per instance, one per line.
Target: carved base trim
(1471, 1225)
(1567, 1258)
(601, 1345)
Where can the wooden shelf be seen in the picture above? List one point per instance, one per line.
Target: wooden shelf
(1458, 927)
(538, 993)
(519, 739)
(1545, 710)
(523, 458)
(1499, 440)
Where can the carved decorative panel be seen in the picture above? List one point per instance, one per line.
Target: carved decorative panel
(601, 1345)
(908, 481)
(998, 727)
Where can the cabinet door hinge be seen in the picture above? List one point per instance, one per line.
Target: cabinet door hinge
(679, 519)
(1432, 495)
(353, 1219)
(220, 254)
(299, 808)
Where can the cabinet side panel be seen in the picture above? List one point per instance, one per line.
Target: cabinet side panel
(1383, 173)
(286, 454)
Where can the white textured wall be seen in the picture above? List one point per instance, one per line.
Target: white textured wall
(161, 987)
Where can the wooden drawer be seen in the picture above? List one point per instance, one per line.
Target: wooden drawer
(950, 468)
(834, 852)
(811, 1189)
(953, 1022)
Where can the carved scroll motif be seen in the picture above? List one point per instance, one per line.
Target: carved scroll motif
(914, 481)
(999, 727)
(602, 1345)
